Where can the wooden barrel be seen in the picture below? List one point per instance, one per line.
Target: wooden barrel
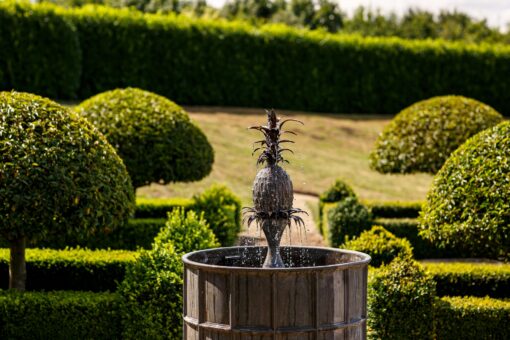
(322, 295)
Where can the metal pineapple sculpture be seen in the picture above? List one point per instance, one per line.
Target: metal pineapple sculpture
(272, 189)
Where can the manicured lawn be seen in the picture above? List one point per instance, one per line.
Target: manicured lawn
(327, 147)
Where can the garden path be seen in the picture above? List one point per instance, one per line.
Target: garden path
(294, 235)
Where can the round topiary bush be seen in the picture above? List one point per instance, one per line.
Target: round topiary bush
(187, 232)
(468, 206)
(381, 245)
(401, 302)
(337, 192)
(422, 136)
(153, 135)
(347, 219)
(58, 174)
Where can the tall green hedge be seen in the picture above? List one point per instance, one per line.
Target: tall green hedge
(39, 50)
(196, 61)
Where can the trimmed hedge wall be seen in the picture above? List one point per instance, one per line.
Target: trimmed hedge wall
(471, 279)
(73, 269)
(396, 209)
(204, 62)
(472, 318)
(59, 315)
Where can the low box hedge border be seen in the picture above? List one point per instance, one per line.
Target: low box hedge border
(470, 279)
(394, 209)
(472, 318)
(70, 269)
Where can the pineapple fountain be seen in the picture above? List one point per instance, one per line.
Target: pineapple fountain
(273, 292)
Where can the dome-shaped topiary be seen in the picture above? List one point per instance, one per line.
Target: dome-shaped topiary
(468, 205)
(347, 220)
(381, 245)
(153, 135)
(58, 174)
(422, 136)
(337, 192)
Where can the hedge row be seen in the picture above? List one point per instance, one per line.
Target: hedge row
(72, 269)
(471, 279)
(409, 228)
(59, 315)
(397, 209)
(195, 61)
(472, 318)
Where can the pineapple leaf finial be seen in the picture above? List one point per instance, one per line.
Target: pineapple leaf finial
(271, 145)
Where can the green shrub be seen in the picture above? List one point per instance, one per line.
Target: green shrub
(71, 269)
(58, 175)
(409, 229)
(422, 136)
(401, 302)
(153, 135)
(184, 59)
(222, 211)
(346, 220)
(152, 295)
(187, 232)
(337, 192)
(394, 209)
(471, 279)
(472, 318)
(468, 206)
(39, 50)
(381, 245)
(59, 315)
(159, 207)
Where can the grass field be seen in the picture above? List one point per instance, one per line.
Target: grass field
(327, 147)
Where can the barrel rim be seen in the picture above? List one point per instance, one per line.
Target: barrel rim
(365, 259)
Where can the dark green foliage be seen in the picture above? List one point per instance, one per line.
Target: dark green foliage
(401, 302)
(422, 136)
(468, 206)
(337, 192)
(59, 315)
(394, 209)
(187, 232)
(152, 295)
(159, 207)
(408, 228)
(70, 269)
(381, 245)
(39, 50)
(185, 59)
(471, 279)
(154, 136)
(472, 318)
(346, 220)
(58, 174)
(222, 211)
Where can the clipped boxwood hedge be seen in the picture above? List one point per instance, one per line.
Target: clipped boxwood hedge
(209, 62)
(154, 136)
(346, 220)
(39, 50)
(59, 315)
(72, 269)
(401, 299)
(471, 279)
(381, 245)
(421, 137)
(394, 209)
(159, 207)
(409, 229)
(468, 206)
(472, 318)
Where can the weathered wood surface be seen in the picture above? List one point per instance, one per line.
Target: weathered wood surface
(325, 302)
